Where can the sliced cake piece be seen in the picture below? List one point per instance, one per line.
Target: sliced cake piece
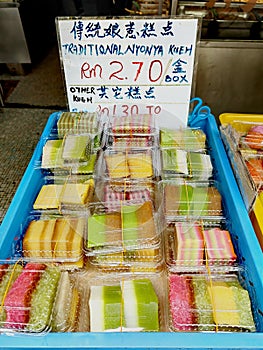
(77, 193)
(76, 148)
(33, 238)
(51, 155)
(189, 244)
(219, 247)
(140, 165)
(105, 305)
(117, 165)
(48, 197)
(141, 306)
(175, 161)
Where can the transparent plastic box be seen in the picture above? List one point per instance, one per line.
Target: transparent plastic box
(136, 131)
(133, 164)
(64, 193)
(186, 164)
(181, 199)
(209, 302)
(198, 243)
(133, 226)
(127, 302)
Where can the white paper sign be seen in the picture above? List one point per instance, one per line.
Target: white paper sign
(128, 66)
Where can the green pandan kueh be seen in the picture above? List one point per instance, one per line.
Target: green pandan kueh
(199, 201)
(186, 193)
(43, 299)
(76, 148)
(96, 230)
(113, 315)
(140, 305)
(130, 224)
(203, 305)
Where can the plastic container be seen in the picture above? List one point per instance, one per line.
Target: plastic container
(244, 240)
(133, 163)
(127, 302)
(64, 193)
(51, 238)
(132, 226)
(185, 164)
(182, 199)
(209, 302)
(191, 244)
(136, 131)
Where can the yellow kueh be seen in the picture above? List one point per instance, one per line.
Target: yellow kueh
(224, 307)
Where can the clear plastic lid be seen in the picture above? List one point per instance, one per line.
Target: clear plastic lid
(127, 302)
(188, 139)
(78, 122)
(131, 131)
(132, 227)
(209, 302)
(186, 199)
(65, 193)
(133, 164)
(52, 238)
(112, 193)
(181, 163)
(147, 259)
(198, 243)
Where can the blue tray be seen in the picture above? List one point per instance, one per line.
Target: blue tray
(243, 236)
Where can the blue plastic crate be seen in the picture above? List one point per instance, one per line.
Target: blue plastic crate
(243, 236)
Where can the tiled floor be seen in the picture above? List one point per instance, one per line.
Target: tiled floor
(22, 120)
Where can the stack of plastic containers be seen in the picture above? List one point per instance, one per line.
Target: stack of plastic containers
(243, 139)
(148, 240)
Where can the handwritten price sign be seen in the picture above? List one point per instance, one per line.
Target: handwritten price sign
(128, 63)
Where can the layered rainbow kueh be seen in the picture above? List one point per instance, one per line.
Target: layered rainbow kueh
(134, 124)
(131, 305)
(189, 244)
(218, 245)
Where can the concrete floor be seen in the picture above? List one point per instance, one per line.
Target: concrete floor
(26, 109)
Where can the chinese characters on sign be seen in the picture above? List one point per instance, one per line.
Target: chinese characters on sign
(128, 63)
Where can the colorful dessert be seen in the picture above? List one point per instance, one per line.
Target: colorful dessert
(117, 165)
(254, 137)
(175, 161)
(8, 275)
(200, 166)
(52, 196)
(187, 139)
(48, 197)
(132, 165)
(52, 154)
(141, 306)
(106, 308)
(181, 303)
(54, 239)
(255, 169)
(76, 148)
(195, 201)
(189, 244)
(202, 304)
(42, 300)
(77, 122)
(77, 193)
(131, 225)
(218, 246)
(132, 125)
(66, 305)
(209, 303)
(17, 300)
